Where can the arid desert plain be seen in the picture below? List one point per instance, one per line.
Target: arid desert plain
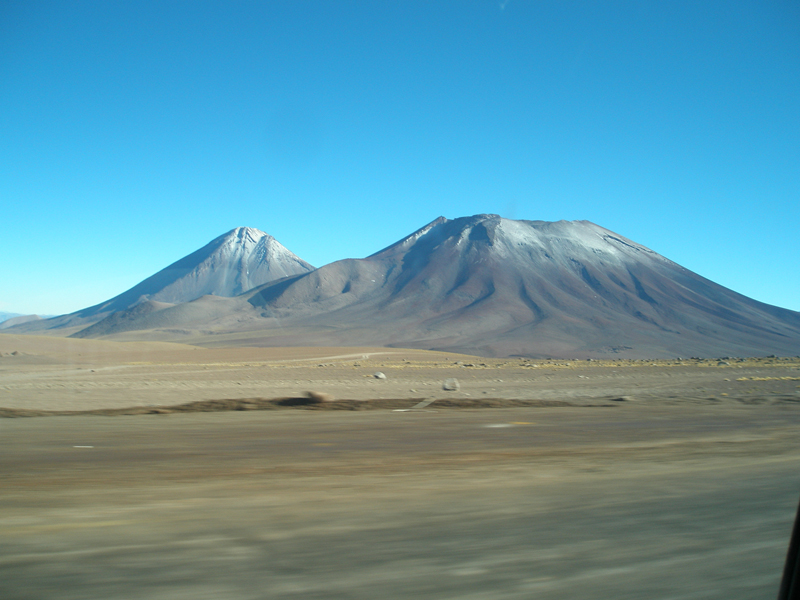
(154, 470)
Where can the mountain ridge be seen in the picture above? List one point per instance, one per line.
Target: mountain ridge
(230, 264)
(493, 286)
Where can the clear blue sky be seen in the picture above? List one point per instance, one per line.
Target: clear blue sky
(133, 133)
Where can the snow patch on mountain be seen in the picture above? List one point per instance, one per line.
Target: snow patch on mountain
(231, 264)
(571, 240)
(410, 240)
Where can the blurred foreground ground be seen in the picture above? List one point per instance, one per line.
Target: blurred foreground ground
(686, 489)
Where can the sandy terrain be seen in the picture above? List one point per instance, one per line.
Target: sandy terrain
(655, 480)
(47, 373)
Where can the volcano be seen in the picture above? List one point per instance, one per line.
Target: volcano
(229, 265)
(495, 287)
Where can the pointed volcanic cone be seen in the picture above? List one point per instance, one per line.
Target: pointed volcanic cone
(233, 263)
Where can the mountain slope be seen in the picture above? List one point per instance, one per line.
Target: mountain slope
(18, 320)
(233, 263)
(5, 316)
(493, 286)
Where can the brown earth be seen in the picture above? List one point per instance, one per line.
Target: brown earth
(545, 479)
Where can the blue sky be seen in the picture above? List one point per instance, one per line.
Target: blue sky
(133, 133)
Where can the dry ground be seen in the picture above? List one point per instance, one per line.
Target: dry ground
(46, 373)
(597, 480)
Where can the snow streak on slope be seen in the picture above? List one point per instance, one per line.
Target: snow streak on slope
(233, 263)
(489, 285)
(481, 285)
